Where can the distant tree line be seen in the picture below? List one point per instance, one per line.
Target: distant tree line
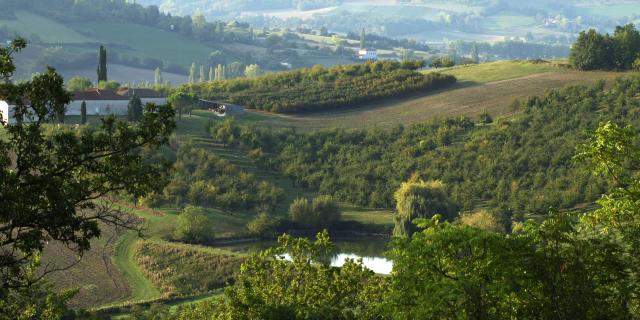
(512, 49)
(382, 42)
(596, 51)
(318, 88)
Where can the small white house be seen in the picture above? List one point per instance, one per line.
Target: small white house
(368, 55)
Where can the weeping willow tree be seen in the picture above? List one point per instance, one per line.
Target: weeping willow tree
(420, 199)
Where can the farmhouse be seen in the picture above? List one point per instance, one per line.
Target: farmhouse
(368, 54)
(220, 108)
(99, 102)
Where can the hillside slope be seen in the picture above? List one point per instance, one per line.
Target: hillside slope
(515, 80)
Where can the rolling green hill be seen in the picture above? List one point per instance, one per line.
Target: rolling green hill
(142, 41)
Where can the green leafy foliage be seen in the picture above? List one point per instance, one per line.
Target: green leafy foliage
(270, 287)
(419, 199)
(322, 212)
(594, 51)
(194, 226)
(111, 85)
(524, 165)
(182, 102)
(52, 176)
(204, 179)
(317, 88)
(79, 84)
(263, 225)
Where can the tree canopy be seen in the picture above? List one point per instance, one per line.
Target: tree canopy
(56, 182)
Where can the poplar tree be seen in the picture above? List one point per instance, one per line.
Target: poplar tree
(158, 77)
(192, 73)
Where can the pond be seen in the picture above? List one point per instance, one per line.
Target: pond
(370, 249)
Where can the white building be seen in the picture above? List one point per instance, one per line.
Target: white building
(368, 55)
(99, 102)
(6, 112)
(145, 95)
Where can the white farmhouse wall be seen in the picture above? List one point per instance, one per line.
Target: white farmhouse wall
(105, 107)
(99, 107)
(4, 112)
(157, 101)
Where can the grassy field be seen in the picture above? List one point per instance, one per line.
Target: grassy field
(497, 71)
(48, 31)
(168, 46)
(142, 289)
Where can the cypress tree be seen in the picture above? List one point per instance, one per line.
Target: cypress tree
(134, 110)
(363, 39)
(102, 64)
(83, 112)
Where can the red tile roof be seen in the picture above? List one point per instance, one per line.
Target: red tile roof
(97, 94)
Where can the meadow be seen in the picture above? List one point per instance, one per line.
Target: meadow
(49, 31)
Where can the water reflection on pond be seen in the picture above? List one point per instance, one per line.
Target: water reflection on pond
(370, 249)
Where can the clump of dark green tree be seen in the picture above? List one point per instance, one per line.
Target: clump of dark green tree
(318, 88)
(596, 51)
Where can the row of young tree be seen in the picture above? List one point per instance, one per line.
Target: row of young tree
(318, 88)
(514, 166)
(596, 51)
(203, 179)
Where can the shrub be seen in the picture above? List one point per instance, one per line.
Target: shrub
(263, 225)
(321, 213)
(486, 118)
(194, 226)
(481, 220)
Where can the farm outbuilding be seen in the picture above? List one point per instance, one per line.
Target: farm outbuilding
(220, 108)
